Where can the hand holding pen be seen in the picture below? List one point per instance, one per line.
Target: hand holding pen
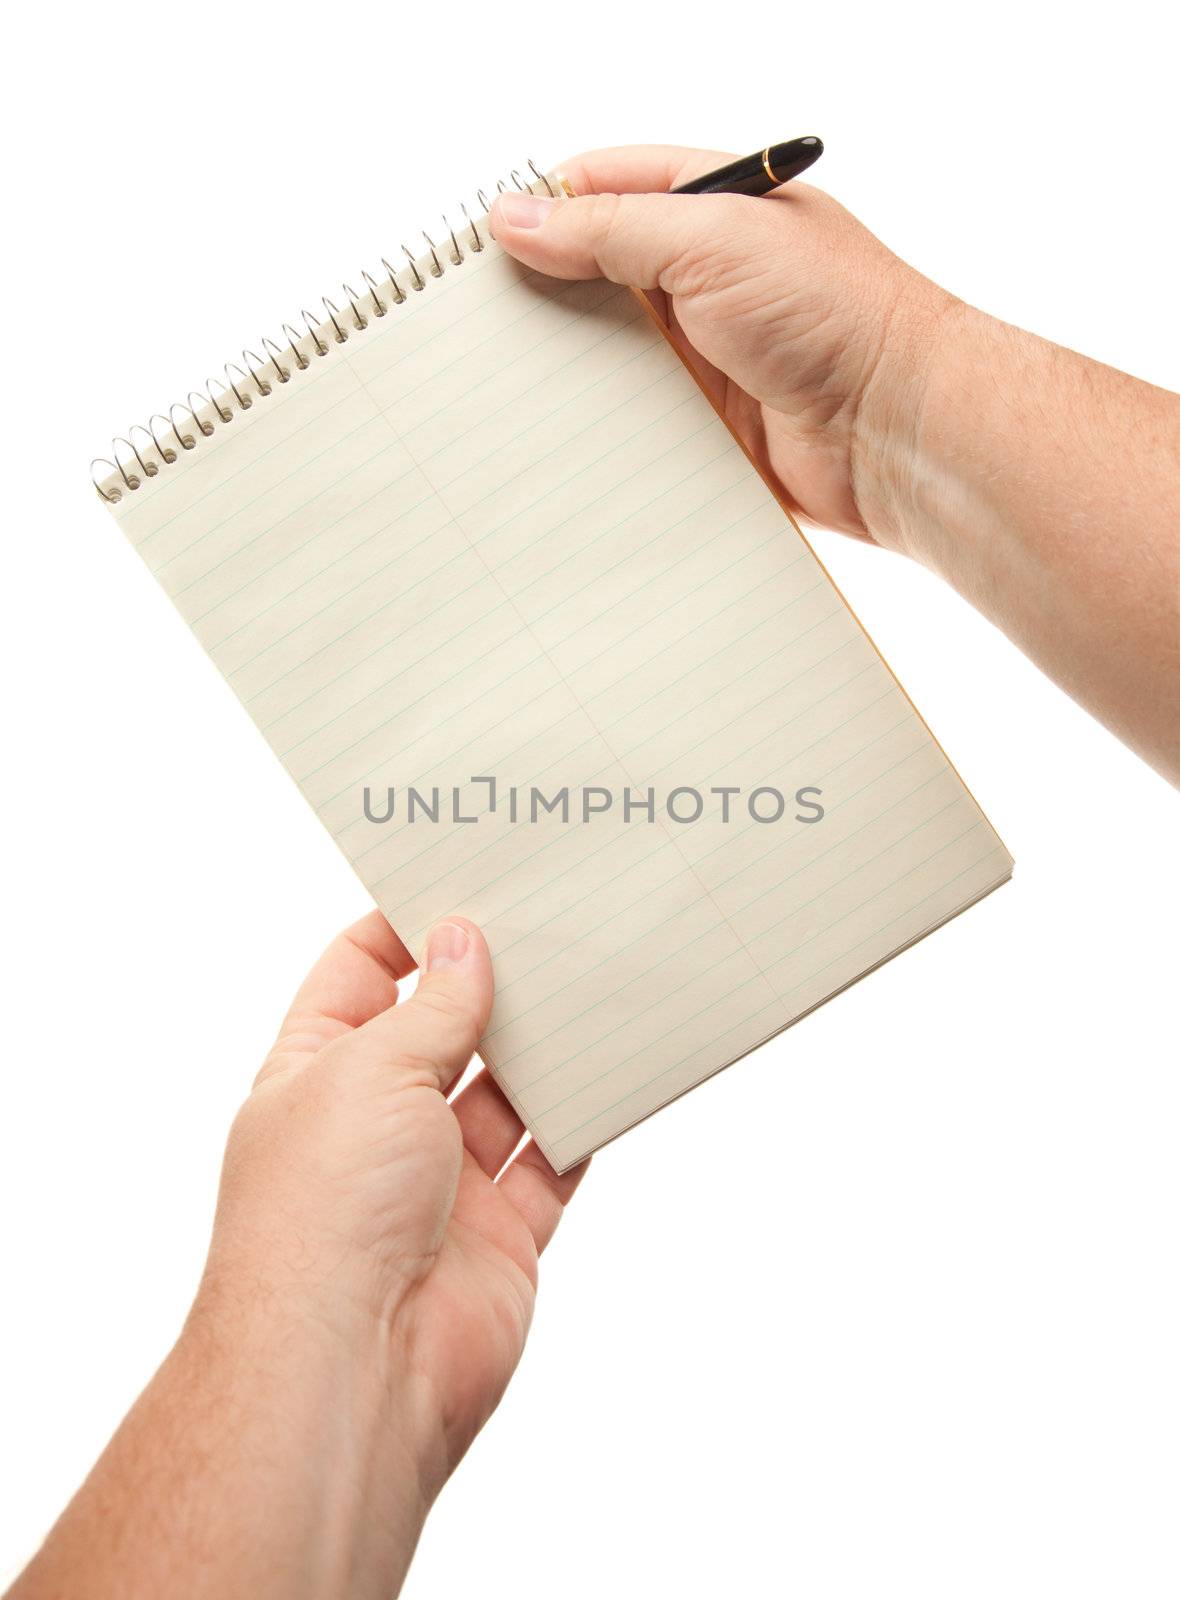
(878, 404)
(758, 174)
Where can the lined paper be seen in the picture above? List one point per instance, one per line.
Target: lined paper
(501, 533)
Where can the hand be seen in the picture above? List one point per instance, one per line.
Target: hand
(366, 1298)
(805, 330)
(1042, 485)
(354, 1192)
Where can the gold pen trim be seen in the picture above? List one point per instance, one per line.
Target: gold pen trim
(768, 169)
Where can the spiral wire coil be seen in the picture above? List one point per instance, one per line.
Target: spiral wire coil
(147, 447)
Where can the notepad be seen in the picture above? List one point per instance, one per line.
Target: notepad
(540, 646)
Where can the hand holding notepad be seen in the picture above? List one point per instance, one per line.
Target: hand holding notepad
(478, 534)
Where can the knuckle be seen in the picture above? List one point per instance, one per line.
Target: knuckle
(322, 1093)
(602, 211)
(695, 271)
(716, 252)
(601, 220)
(453, 1013)
(418, 1069)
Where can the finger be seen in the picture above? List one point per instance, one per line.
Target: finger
(433, 1036)
(538, 1193)
(354, 979)
(491, 1128)
(639, 168)
(673, 242)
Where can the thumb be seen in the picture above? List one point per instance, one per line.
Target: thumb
(679, 243)
(434, 1034)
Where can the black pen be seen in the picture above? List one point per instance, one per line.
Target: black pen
(758, 174)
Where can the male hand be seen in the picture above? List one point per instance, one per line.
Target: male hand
(366, 1298)
(1042, 485)
(809, 335)
(354, 1192)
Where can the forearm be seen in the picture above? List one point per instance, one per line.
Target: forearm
(1046, 488)
(265, 1458)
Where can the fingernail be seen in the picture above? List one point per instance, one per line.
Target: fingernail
(524, 210)
(446, 946)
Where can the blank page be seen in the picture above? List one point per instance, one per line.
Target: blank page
(498, 545)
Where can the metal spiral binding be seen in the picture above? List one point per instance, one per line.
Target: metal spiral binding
(162, 438)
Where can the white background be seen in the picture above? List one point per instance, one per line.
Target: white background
(891, 1307)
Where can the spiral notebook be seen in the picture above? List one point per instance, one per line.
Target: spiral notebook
(539, 645)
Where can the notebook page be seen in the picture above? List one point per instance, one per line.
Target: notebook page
(498, 545)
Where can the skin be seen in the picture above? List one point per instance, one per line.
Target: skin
(373, 1265)
(365, 1301)
(1044, 486)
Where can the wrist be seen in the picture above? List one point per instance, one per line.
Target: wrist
(269, 1455)
(320, 1436)
(888, 464)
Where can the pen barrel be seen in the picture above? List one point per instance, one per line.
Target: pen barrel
(754, 183)
(758, 174)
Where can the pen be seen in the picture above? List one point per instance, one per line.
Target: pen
(758, 174)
